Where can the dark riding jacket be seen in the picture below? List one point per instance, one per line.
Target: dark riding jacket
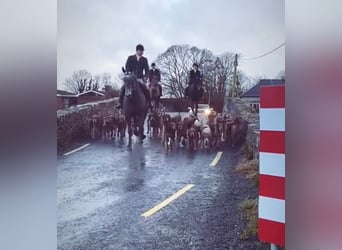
(195, 77)
(154, 73)
(139, 68)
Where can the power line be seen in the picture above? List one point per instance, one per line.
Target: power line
(257, 57)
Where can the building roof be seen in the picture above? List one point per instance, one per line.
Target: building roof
(255, 91)
(92, 91)
(65, 93)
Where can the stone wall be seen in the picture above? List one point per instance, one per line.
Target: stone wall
(74, 123)
(240, 108)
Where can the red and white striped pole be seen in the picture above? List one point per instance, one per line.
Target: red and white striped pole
(271, 222)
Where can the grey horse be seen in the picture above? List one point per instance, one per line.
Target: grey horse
(134, 107)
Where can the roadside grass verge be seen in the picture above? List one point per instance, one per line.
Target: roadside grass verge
(251, 170)
(249, 208)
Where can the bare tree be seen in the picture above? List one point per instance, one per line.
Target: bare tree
(218, 71)
(94, 83)
(174, 66)
(77, 83)
(106, 79)
(81, 81)
(225, 69)
(110, 88)
(247, 82)
(117, 80)
(205, 60)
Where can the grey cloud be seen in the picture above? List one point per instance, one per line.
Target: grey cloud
(99, 35)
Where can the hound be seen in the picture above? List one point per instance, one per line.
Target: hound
(205, 140)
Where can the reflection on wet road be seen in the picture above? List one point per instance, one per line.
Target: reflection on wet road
(103, 190)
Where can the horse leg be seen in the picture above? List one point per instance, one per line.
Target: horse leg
(148, 126)
(140, 125)
(169, 142)
(196, 108)
(135, 129)
(205, 143)
(191, 143)
(130, 132)
(163, 134)
(150, 131)
(123, 132)
(155, 131)
(192, 107)
(196, 140)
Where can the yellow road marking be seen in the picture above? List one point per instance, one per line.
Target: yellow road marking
(77, 149)
(216, 159)
(167, 201)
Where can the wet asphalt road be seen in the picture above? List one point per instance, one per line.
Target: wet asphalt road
(103, 190)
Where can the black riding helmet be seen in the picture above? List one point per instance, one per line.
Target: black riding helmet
(195, 64)
(153, 64)
(139, 47)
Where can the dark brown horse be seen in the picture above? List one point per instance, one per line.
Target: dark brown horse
(134, 106)
(154, 89)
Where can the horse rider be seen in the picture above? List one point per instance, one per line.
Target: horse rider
(138, 65)
(195, 78)
(155, 73)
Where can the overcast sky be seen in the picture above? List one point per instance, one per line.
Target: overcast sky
(99, 35)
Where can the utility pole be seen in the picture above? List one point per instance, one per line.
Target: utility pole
(234, 80)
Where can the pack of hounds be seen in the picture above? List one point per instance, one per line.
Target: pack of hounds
(195, 133)
(176, 131)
